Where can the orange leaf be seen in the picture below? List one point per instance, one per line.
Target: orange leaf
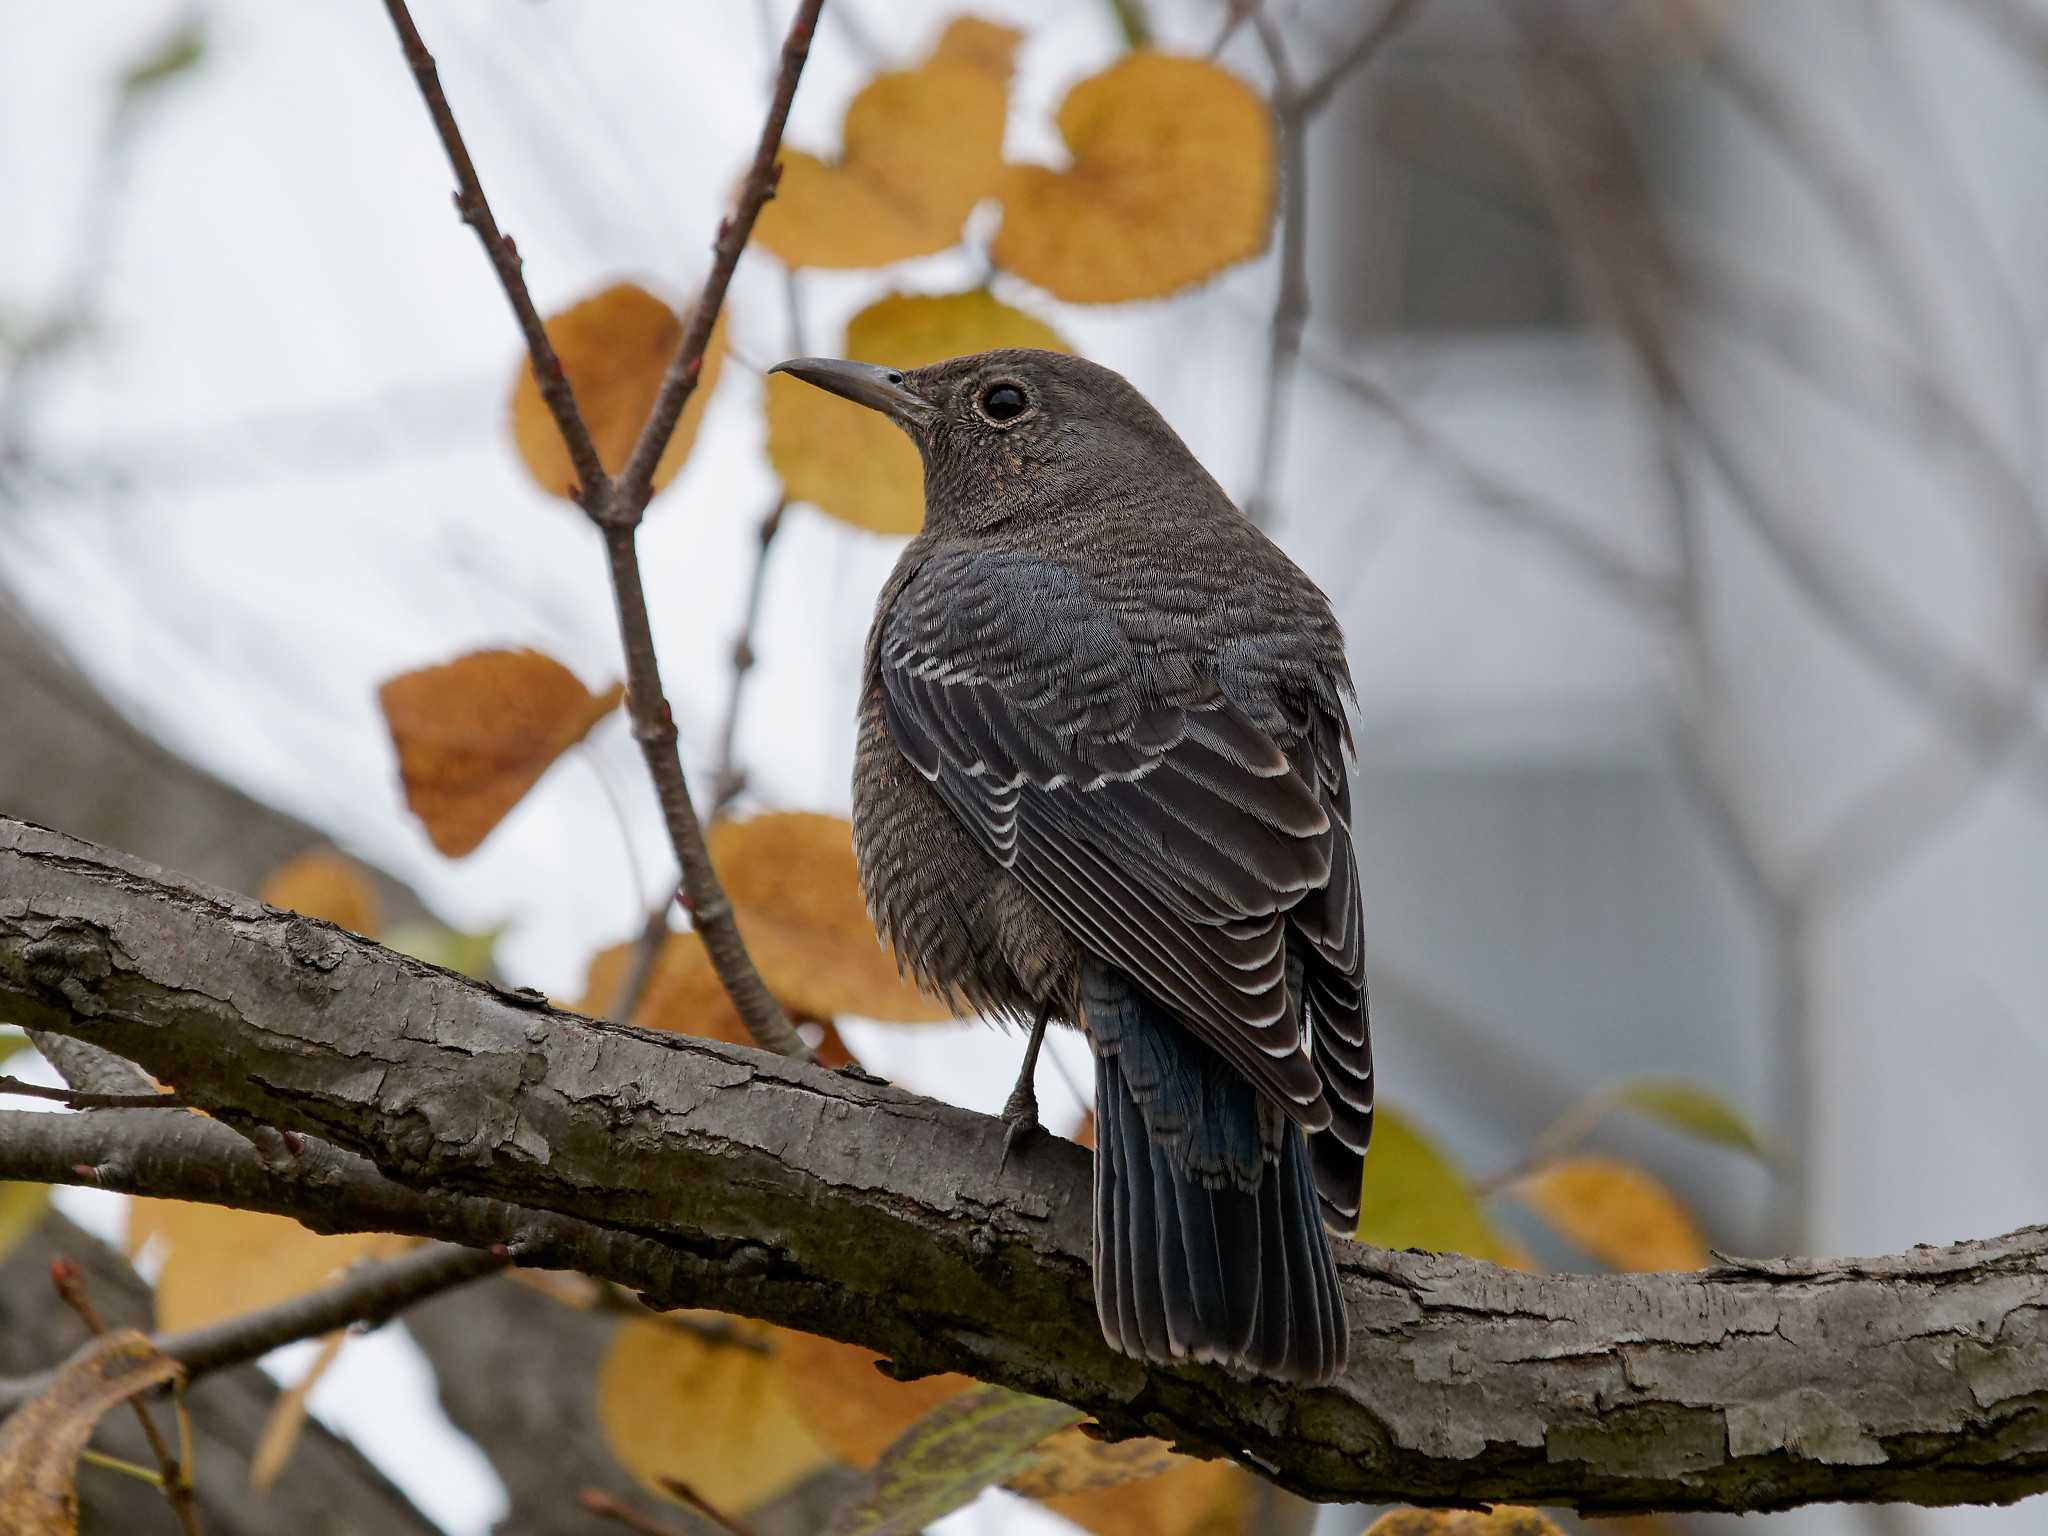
(222, 1263)
(851, 463)
(41, 1441)
(322, 883)
(614, 346)
(712, 1415)
(1616, 1212)
(1072, 1461)
(795, 890)
(920, 148)
(1191, 1498)
(1172, 181)
(853, 1409)
(475, 735)
(1502, 1520)
(684, 995)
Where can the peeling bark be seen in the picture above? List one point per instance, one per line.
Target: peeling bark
(710, 1175)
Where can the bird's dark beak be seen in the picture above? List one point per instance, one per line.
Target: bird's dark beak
(877, 388)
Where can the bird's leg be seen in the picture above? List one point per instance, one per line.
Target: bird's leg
(1020, 1110)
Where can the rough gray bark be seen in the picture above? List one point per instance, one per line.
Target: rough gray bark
(709, 1175)
(326, 1489)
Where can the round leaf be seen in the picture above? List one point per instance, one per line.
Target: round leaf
(712, 1415)
(614, 346)
(1414, 1198)
(683, 995)
(921, 148)
(853, 1409)
(221, 1263)
(1172, 181)
(852, 463)
(322, 883)
(795, 890)
(1616, 1212)
(475, 735)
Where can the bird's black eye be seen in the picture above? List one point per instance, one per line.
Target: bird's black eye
(1003, 402)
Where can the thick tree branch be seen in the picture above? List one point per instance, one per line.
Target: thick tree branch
(707, 1175)
(616, 505)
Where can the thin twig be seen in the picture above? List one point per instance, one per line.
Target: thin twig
(729, 779)
(640, 973)
(69, 1280)
(616, 506)
(689, 1496)
(77, 1100)
(606, 1507)
(1294, 107)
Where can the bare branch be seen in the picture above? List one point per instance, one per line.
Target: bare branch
(75, 1099)
(710, 1175)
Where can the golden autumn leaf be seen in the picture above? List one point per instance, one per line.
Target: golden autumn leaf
(1073, 1461)
(614, 347)
(1616, 1212)
(714, 1416)
(474, 735)
(1502, 1520)
(795, 892)
(1171, 182)
(1189, 1498)
(683, 995)
(221, 1263)
(919, 148)
(848, 461)
(1415, 1198)
(853, 1409)
(323, 883)
(41, 1441)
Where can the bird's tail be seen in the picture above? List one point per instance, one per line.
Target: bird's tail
(1208, 1240)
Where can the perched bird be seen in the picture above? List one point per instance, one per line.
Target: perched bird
(1101, 778)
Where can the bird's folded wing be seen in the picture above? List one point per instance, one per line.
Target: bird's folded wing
(1172, 836)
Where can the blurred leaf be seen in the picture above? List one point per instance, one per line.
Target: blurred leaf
(21, 1207)
(12, 1043)
(1414, 1198)
(920, 148)
(1191, 1498)
(1501, 1520)
(1074, 1462)
(849, 461)
(1690, 1108)
(614, 346)
(967, 1443)
(473, 954)
(853, 1409)
(176, 54)
(473, 736)
(711, 1415)
(1171, 182)
(1616, 1212)
(287, 1417)
(795, 890)
(684, 996)
(323, 883)
(40, 1443)
(220, 1263)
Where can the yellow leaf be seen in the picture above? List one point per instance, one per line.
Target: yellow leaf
(614, 346)
(713, 1416)
(1616, 1212)
(40, 1443)
(850, 462)
(1502, 1520)
(795, 890)
(476, 734)
(853, 1409)
(920, 148)
(684, 995)
(221, 1263)
(1190, 1498)
(1074, 1462)
(288, 1417)
(21, 1207)
(322, 883)
(1414, 1198)
(1172, 181)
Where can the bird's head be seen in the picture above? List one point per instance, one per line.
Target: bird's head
(1006, 432)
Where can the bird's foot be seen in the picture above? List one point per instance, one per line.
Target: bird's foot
(1020, 1119)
